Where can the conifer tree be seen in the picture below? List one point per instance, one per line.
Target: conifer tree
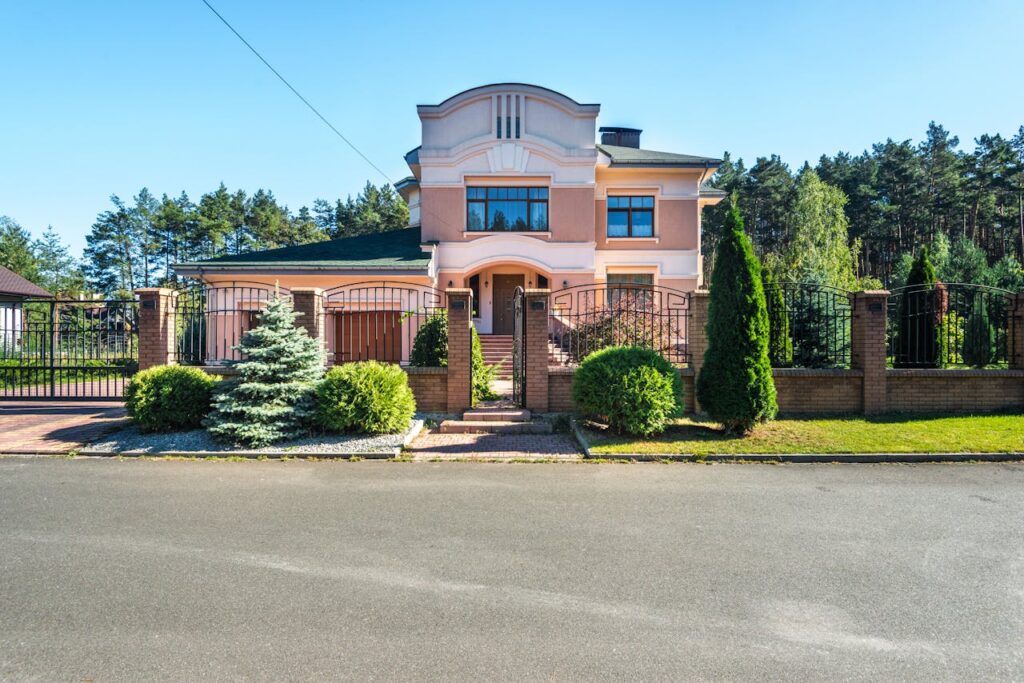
(271, 399)
(979, 336)
(917, 339)
(735, 386)
(780, 344)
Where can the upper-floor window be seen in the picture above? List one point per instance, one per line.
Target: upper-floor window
(631, 216)
(506, 209)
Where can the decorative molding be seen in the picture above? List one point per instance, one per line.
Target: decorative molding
(508, 156)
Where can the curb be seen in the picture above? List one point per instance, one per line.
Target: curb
(877, 458)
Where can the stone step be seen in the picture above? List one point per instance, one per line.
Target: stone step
(496, 415)
(493, 427)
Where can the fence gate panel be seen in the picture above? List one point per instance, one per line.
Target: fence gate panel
(519, 347)
(52, 349)
(378, 320)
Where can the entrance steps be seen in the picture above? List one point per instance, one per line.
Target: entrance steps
(497, 350)
(495, 421)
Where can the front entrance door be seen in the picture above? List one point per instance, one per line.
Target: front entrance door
(503, 314)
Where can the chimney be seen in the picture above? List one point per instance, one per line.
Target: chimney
(622, 137)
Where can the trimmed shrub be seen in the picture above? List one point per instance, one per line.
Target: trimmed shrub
(735, 385)
(430, 350)
(272, 397)
(979, 337)
(430, 347)
(366, 398)
(168, 397)
(631, 389)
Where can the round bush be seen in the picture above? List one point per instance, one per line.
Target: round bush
(366, 398)
(632, 389)
(168, 398)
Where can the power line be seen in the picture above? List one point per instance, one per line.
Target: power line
(297, 93)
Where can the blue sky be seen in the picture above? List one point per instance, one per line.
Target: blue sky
(107, 97)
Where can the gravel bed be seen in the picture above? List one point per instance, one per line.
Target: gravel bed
(197, 441)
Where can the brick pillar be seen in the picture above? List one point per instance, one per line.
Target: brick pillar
(156, 326)
(309, 302)
(1016, 336)
(697, 332)
(536, 346)
(867, 346)
(460, 323)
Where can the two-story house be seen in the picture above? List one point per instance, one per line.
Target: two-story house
(512, 187)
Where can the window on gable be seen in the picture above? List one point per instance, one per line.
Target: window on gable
(631, 216)
(506, 209)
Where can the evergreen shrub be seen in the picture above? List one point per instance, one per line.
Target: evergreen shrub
(168, 398)
(630, 388)
(430, 350)
(366, 398)
(919, 317)
(271, 399)
(735, 385)
(780, 343)
(979, 337)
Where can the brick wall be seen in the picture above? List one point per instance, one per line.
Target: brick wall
(954, 390)
(560, 389)
(801, 391)
(430, 386)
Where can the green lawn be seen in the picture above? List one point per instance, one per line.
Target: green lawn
(886, 434)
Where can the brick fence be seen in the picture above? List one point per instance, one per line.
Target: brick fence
(868, 386)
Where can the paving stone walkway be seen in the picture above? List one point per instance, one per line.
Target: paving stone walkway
(435, 446)
(55, 427)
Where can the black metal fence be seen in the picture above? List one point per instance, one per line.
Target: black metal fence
(211, 319)
(67, 348)
(587, 318)
(809, 325)
(377, 320)
(950, 326)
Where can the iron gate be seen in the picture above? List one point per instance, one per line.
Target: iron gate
(519, 347)
(67, 349)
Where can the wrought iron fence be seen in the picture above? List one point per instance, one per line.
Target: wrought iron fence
(67, 348)
(950, 326)
(210, 319)
(586, 318)
(808, 325)
(377, 320)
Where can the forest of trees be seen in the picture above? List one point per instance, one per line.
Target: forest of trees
(967, 206)
(134, 244)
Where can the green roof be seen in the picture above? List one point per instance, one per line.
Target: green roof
(631, 156)
(392, 250)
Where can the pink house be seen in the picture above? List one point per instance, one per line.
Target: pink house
(513, 185)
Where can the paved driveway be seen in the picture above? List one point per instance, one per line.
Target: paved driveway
(298, 570)
(54, 427)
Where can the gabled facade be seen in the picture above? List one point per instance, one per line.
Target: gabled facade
(512, 188)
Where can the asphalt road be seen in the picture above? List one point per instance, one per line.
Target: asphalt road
(301, 570)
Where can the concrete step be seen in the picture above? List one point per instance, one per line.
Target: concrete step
(493, 427)
(496, 415)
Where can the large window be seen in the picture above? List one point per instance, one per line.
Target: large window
(506, 209)
(631, 216)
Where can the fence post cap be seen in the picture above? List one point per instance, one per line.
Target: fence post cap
(458, 291)
(307, 290)
(537, 292)
(874, 293)
(159, 291)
